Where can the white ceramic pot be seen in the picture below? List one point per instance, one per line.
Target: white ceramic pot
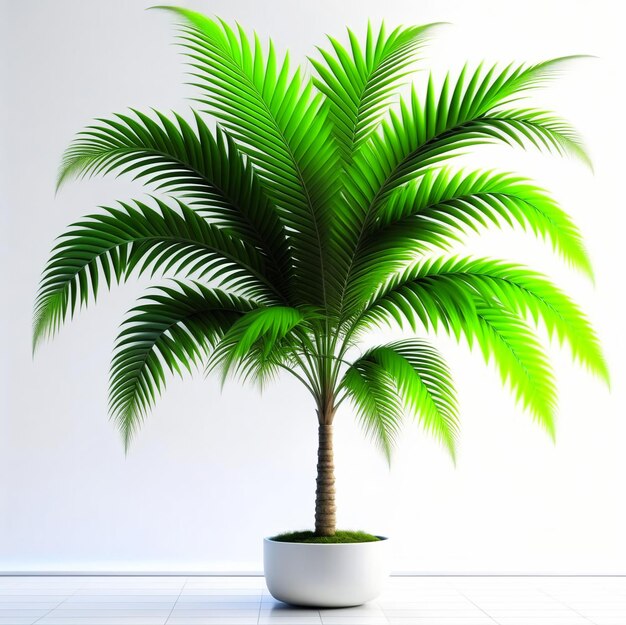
(325, 575)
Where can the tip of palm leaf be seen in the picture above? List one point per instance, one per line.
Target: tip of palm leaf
(564, 60)
(35, 343)
(123, 415)
(451, 448)
(34, 346)
(37, 336)
(594, 362)
(586, 267)
(65, 172)
(435, 25)
(582, 263)
(164, 7)
(584, 157)
(573, 57)
(126, 438)
(552, 435)
(602, 371)
(43, 329)
(549, 427)
(182, 12)
(71, 167)
(188, 14)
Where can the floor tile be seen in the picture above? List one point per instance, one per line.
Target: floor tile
(362, 610)
(484, 620)
(23, 613)
(283, 610)
(217, 605)
(543, 620)
(208, 620)
(430, 613)
(134, 598)
(30, 598)
(98, 620)
(107, 612)
(289, 620)
(129, 606)
(219, 598)
(355, 620)
(248, 612)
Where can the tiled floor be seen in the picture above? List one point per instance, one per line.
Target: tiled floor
(245, 600)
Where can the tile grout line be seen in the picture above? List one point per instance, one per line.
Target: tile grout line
(476, 605)
(569, 607)
(258, 616)
(176, 601)
(55, 607)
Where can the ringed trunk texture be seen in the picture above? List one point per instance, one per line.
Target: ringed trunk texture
(325, 492)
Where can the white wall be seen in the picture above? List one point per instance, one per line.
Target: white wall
(211, 473)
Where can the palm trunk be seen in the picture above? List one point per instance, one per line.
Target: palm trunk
(325, 492)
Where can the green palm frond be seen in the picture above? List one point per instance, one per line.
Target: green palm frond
(464, 203)
(171, 330)
(377, 402)
(208, 172)
(440, 293)
(520, 359)
(359, 83)
(423, 384)
(108, 246)
(280, 122)
(438, 209)
(542, 129)
(255, 346)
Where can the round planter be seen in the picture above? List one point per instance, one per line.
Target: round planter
(325, 575)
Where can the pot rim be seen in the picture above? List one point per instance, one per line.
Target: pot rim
(381, 539)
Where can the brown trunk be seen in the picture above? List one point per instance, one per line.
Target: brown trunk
(325, 492)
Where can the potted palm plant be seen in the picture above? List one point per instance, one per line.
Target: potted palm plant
(313, 212)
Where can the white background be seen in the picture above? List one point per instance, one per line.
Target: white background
(211, 473)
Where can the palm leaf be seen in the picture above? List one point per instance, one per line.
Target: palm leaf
(374, 395)
(359, 84)
(442, 292)
(110, 245)
(438, 209)
(520, 359)
(173, 329)
(422, 381)
(260, 342)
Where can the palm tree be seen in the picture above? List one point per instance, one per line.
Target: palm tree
(313, 211)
